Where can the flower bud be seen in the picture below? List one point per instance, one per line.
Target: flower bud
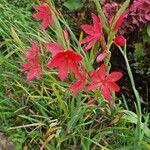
(65, 35)
(101, 57)
(119, 40)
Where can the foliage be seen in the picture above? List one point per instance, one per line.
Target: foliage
(73, 4)
(140, 57)
(137, 14)
(42, 114)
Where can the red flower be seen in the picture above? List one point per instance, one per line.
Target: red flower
(78, 85)
(106, 83)
(32, 53)
(94, 32)
(120, 40)
(45, 11)
(63, 60)
(33, 68)
(119, 22)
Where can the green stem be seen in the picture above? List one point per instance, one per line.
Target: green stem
(108, 55)
(139, 112)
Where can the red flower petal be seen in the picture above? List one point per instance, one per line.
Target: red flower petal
(87, 39)
(90, 44)
(81, 76)
(32, 53)
(88, 29)
(113, 86)
(63, 70)
(26, 67)
(114, 76)
(73, 66)
(74, 56)
(34, 69)
(94, 76)
(106, 93)
(76, 87)
(56, 60)
(41, 8)
(93, 86)
(44, 23)
(34, 73)
(102, 72)
(95, 21)
(38, 15)
(54, 48)
(35, 46)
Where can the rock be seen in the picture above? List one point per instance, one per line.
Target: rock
(5, 143)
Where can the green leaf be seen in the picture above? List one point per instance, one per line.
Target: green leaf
(73, 4)
(139, 50)
(131, 117)
(148, 29)
(76, 118)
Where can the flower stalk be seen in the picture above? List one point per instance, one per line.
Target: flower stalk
(136, 93)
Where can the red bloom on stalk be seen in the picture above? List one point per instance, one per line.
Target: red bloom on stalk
(78, 85)
(63, 60)
(33, 68)
(32, 53)
(120, 40)
(94, 32)
(44, 13)
(106, 83)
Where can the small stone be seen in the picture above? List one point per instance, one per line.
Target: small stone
(5, 143)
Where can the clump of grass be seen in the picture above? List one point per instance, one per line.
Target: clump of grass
(41, 114)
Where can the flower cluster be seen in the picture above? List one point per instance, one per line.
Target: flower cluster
(94, 32)
(45, 12)
(137, 14)
(66, 59)
(33, 67)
